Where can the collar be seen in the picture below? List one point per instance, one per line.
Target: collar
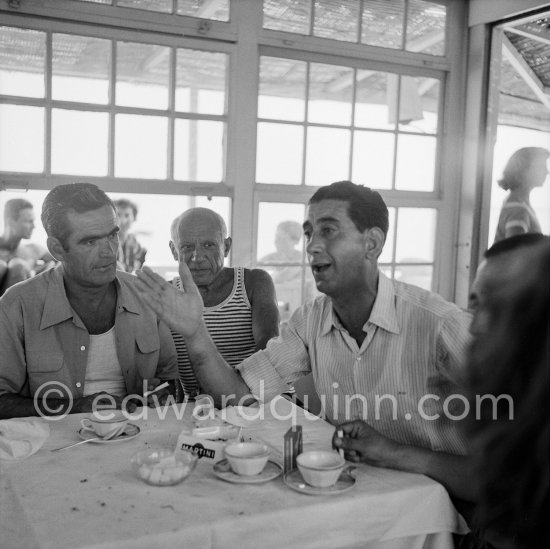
(57, 308)
(383, 314)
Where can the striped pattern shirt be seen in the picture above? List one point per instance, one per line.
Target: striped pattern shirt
(230, 326)
(516, 215)
(408, 364)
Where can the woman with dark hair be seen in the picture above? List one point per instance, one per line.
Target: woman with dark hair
(525, 170)
(510, 436)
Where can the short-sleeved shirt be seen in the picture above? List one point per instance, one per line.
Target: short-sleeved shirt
(409, 363)
(516, 215)
(42, 339)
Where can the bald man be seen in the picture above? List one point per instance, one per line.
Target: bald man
(240, 306)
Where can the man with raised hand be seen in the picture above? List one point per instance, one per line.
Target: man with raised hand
(379, 350)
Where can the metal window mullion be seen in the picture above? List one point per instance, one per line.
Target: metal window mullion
(396, 132)
(305, 125)
(352, 127)
(405, 26)
(112, 110)
(311, 17)
(172, 83)
(360, 26)
(48, 105)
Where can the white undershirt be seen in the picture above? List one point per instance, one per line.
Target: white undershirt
(103, 371)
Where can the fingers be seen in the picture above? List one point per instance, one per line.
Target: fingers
(187, 278)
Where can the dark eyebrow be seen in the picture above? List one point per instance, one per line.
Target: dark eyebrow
(97, 236)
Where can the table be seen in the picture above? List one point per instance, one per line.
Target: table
(87, 496)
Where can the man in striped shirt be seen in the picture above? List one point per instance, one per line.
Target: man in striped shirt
(240, 308)
(379, 350)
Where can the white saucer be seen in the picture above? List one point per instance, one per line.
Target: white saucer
(130, 431)
(223, 470)
(295, 481)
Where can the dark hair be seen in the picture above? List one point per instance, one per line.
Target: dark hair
(514, 243)
(513, 173)
(80, 197)
(14, 206)
(366, 208)
(124, 203)
(512, 453)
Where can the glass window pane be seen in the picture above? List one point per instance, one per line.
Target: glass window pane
(79, 142)
(21, 138)
(419, 100)
(328, 154)
(279, 153)
(151, 5)
(374, 101)
(418, 275)
(415, 235)
(330, 93)
(287, 15)
(200, 81)
(282, 89)
(383, 23)
(140, 146)
(337, 20)
(373, 159)
(426, 27)
(155, 215)
(387, 252)
(22, 58)
(280, 234)
(208, 9)
(415, 163)
(80, 68)
(142, 75)
(198, 150)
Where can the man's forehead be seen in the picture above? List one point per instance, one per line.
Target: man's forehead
(199, 226)
(103, 218)
(327, 209)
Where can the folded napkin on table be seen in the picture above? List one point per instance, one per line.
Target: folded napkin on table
(21, 438)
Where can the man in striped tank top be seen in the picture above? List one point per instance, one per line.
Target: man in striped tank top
(386, 356)
(240, 307)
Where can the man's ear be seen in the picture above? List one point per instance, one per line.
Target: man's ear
(55, 248)
(227, 246)
(174, 250)
(374, 243)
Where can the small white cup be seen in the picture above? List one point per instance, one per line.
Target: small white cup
(109, 424)
(247, 458)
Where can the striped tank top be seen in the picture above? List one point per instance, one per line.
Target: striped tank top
(230, 326)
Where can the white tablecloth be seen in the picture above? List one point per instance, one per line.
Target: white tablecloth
(87, 496)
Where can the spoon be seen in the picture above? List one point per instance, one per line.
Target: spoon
(107, 437)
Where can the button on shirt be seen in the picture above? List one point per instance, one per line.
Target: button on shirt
(42, 340)
(398, 380)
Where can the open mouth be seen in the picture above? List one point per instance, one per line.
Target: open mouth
(320, 267)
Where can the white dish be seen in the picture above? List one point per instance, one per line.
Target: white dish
(130, 431)
(223, 470)
(295, 481)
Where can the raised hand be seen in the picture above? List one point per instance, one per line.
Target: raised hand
(181, 311)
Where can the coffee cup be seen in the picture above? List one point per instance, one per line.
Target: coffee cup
(106, 425)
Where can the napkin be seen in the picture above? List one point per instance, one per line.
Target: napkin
(21, 438)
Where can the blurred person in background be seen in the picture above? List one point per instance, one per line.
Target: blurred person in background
(525, 170)
(131, 254)
(510, 437)
(20, 261)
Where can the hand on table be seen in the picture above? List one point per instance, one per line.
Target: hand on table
(363, 443)
(158, 398)
(181, 311)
